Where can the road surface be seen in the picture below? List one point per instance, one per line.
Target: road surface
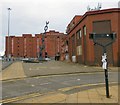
(18, 87)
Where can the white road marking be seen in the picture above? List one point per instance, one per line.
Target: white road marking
(32, 85)
(45, 83)
(78, 79)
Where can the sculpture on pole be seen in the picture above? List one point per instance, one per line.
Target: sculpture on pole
(42, 47)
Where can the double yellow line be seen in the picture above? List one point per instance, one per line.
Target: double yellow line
(28, 96)
(86, 85)
(32, 95)
(20, 98)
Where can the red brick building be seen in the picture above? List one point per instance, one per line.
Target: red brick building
(27, 46)
(64, 48)
(82, 49)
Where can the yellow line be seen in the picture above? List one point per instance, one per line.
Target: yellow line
(19, 98)
(45, 76)
(38, 94)
(69, 88)
(56, 75)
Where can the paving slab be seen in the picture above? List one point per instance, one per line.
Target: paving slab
(87, 96)
(72, 98)
(59, 68)
(15, 70)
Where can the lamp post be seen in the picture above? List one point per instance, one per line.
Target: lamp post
(9, 9)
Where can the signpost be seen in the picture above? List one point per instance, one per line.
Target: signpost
(112, 37)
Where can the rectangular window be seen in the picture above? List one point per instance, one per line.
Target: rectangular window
(12, 45)
(79, 50)
(79, 34)
(84, 30)
(38, 45)
(73, 44)
(25, 47)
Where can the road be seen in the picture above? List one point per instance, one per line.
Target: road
(44, 84)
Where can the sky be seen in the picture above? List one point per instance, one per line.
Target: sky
(30, 16)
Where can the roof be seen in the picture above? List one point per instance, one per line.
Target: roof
(111, 10)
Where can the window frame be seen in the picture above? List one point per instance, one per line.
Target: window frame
(84, 30)
(79, 34)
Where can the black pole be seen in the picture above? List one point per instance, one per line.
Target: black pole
(104, 59)
(107, 84)
(106, 73)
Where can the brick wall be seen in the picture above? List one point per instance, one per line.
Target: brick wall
(88, 49)
(27, 46)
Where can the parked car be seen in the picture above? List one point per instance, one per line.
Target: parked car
(30, 60)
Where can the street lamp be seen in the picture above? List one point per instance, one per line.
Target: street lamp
(9, 9)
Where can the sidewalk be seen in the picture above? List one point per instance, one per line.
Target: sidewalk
(95, 95)
(60, 68)
(15, 70)
(20, 69)
(95, 67)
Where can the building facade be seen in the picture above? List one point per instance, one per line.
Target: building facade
(82, 49)
(28, 46)
(64, 49)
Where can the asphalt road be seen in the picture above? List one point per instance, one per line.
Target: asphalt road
(14, 88)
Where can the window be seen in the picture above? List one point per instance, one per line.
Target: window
(84, 30)
(73, 44)
(67, 42)
(79, 34)
(79, 50)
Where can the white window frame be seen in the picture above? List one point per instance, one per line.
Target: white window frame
(79, 34)
(84, 30)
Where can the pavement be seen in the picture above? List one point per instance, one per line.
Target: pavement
(15, 70)
(60, 68)
(94, 95)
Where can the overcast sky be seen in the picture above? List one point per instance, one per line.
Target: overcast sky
(29, 16)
